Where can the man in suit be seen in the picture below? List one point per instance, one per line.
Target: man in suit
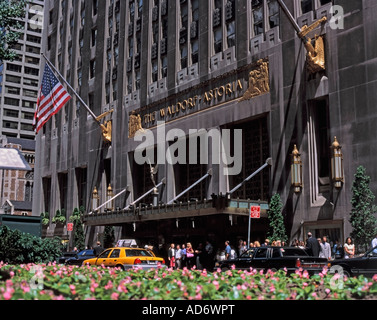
(98, 249)
(313, 247)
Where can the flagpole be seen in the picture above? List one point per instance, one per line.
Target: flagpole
(73, 90)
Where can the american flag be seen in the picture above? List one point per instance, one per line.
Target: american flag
(52, 97)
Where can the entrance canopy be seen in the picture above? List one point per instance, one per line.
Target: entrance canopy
(12, 159)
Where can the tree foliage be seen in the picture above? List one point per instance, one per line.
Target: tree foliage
(79, 236)
(109, 236)
(10, 27)
(18, 247)
(276, 220)
(362, 218)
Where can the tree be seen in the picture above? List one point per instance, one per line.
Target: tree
(276, 220)
(10, 11)
(79, 237)
(362, 217)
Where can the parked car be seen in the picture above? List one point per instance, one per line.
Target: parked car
(80, 257)
(364, 265)
(65, 256)
(276, 258)
(126, 258)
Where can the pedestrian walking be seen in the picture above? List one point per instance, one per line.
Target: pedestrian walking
(98, 249)
(312, 246)
(325, 249)
(228, 250)
(208, 256)
(171, 255)
(184, 258)
(349, 248)
(190, 255)
(178, 257)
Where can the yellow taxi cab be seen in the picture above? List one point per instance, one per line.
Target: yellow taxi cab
(126, 258)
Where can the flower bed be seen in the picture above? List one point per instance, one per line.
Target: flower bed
(58, 282)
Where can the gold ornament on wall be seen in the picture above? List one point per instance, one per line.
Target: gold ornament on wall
(134, 125)
(258, 81)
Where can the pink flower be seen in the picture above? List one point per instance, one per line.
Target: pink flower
(73, 289)
(7, 295)
(114, 296)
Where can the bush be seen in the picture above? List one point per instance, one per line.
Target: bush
(19, 247)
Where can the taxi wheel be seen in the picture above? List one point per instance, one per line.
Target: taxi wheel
(120, 266)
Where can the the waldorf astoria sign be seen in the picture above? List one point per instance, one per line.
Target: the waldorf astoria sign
(204, 96)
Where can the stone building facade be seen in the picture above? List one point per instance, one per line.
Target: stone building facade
(170, 67)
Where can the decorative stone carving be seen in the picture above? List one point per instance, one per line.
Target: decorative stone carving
(258, 81)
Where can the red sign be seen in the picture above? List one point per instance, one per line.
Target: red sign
(255, 212)
(69, 226)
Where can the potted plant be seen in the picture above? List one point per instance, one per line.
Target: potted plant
(59, 218)
(45, 219)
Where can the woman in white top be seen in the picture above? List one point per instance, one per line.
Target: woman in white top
(349, 248)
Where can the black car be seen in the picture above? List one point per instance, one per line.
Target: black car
(365, 265)
(65, 256)
(80, 257)
(276, 258)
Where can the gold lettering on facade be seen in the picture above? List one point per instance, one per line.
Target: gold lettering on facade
(134, 125)
(258, 81)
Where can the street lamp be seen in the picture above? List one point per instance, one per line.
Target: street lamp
(337, 173)
(109, 195)
(296, 170)
(95, 199)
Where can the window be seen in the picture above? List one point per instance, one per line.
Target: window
(63, 189)
(11, 101)
(13, 79)
(94, 37)
(30, 93)
(262, 9)
(115, 253)
(31, 49)
(30, 82)
(92, 68)
(217, 26)
(28, 104)
(12, 90)
(10, 125)
(138, 253)
(27, 115)
(27, 127)
(257, 7)
(28, 191)
(81, 180)
(31, 71)
(46, 184)
(95, 7)
(306, 6)
(34, 39)
(261, 253)
(14, 67)
(11, 113)
(230, 23)
(273, 13)
(104, 254)
(31, 60)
